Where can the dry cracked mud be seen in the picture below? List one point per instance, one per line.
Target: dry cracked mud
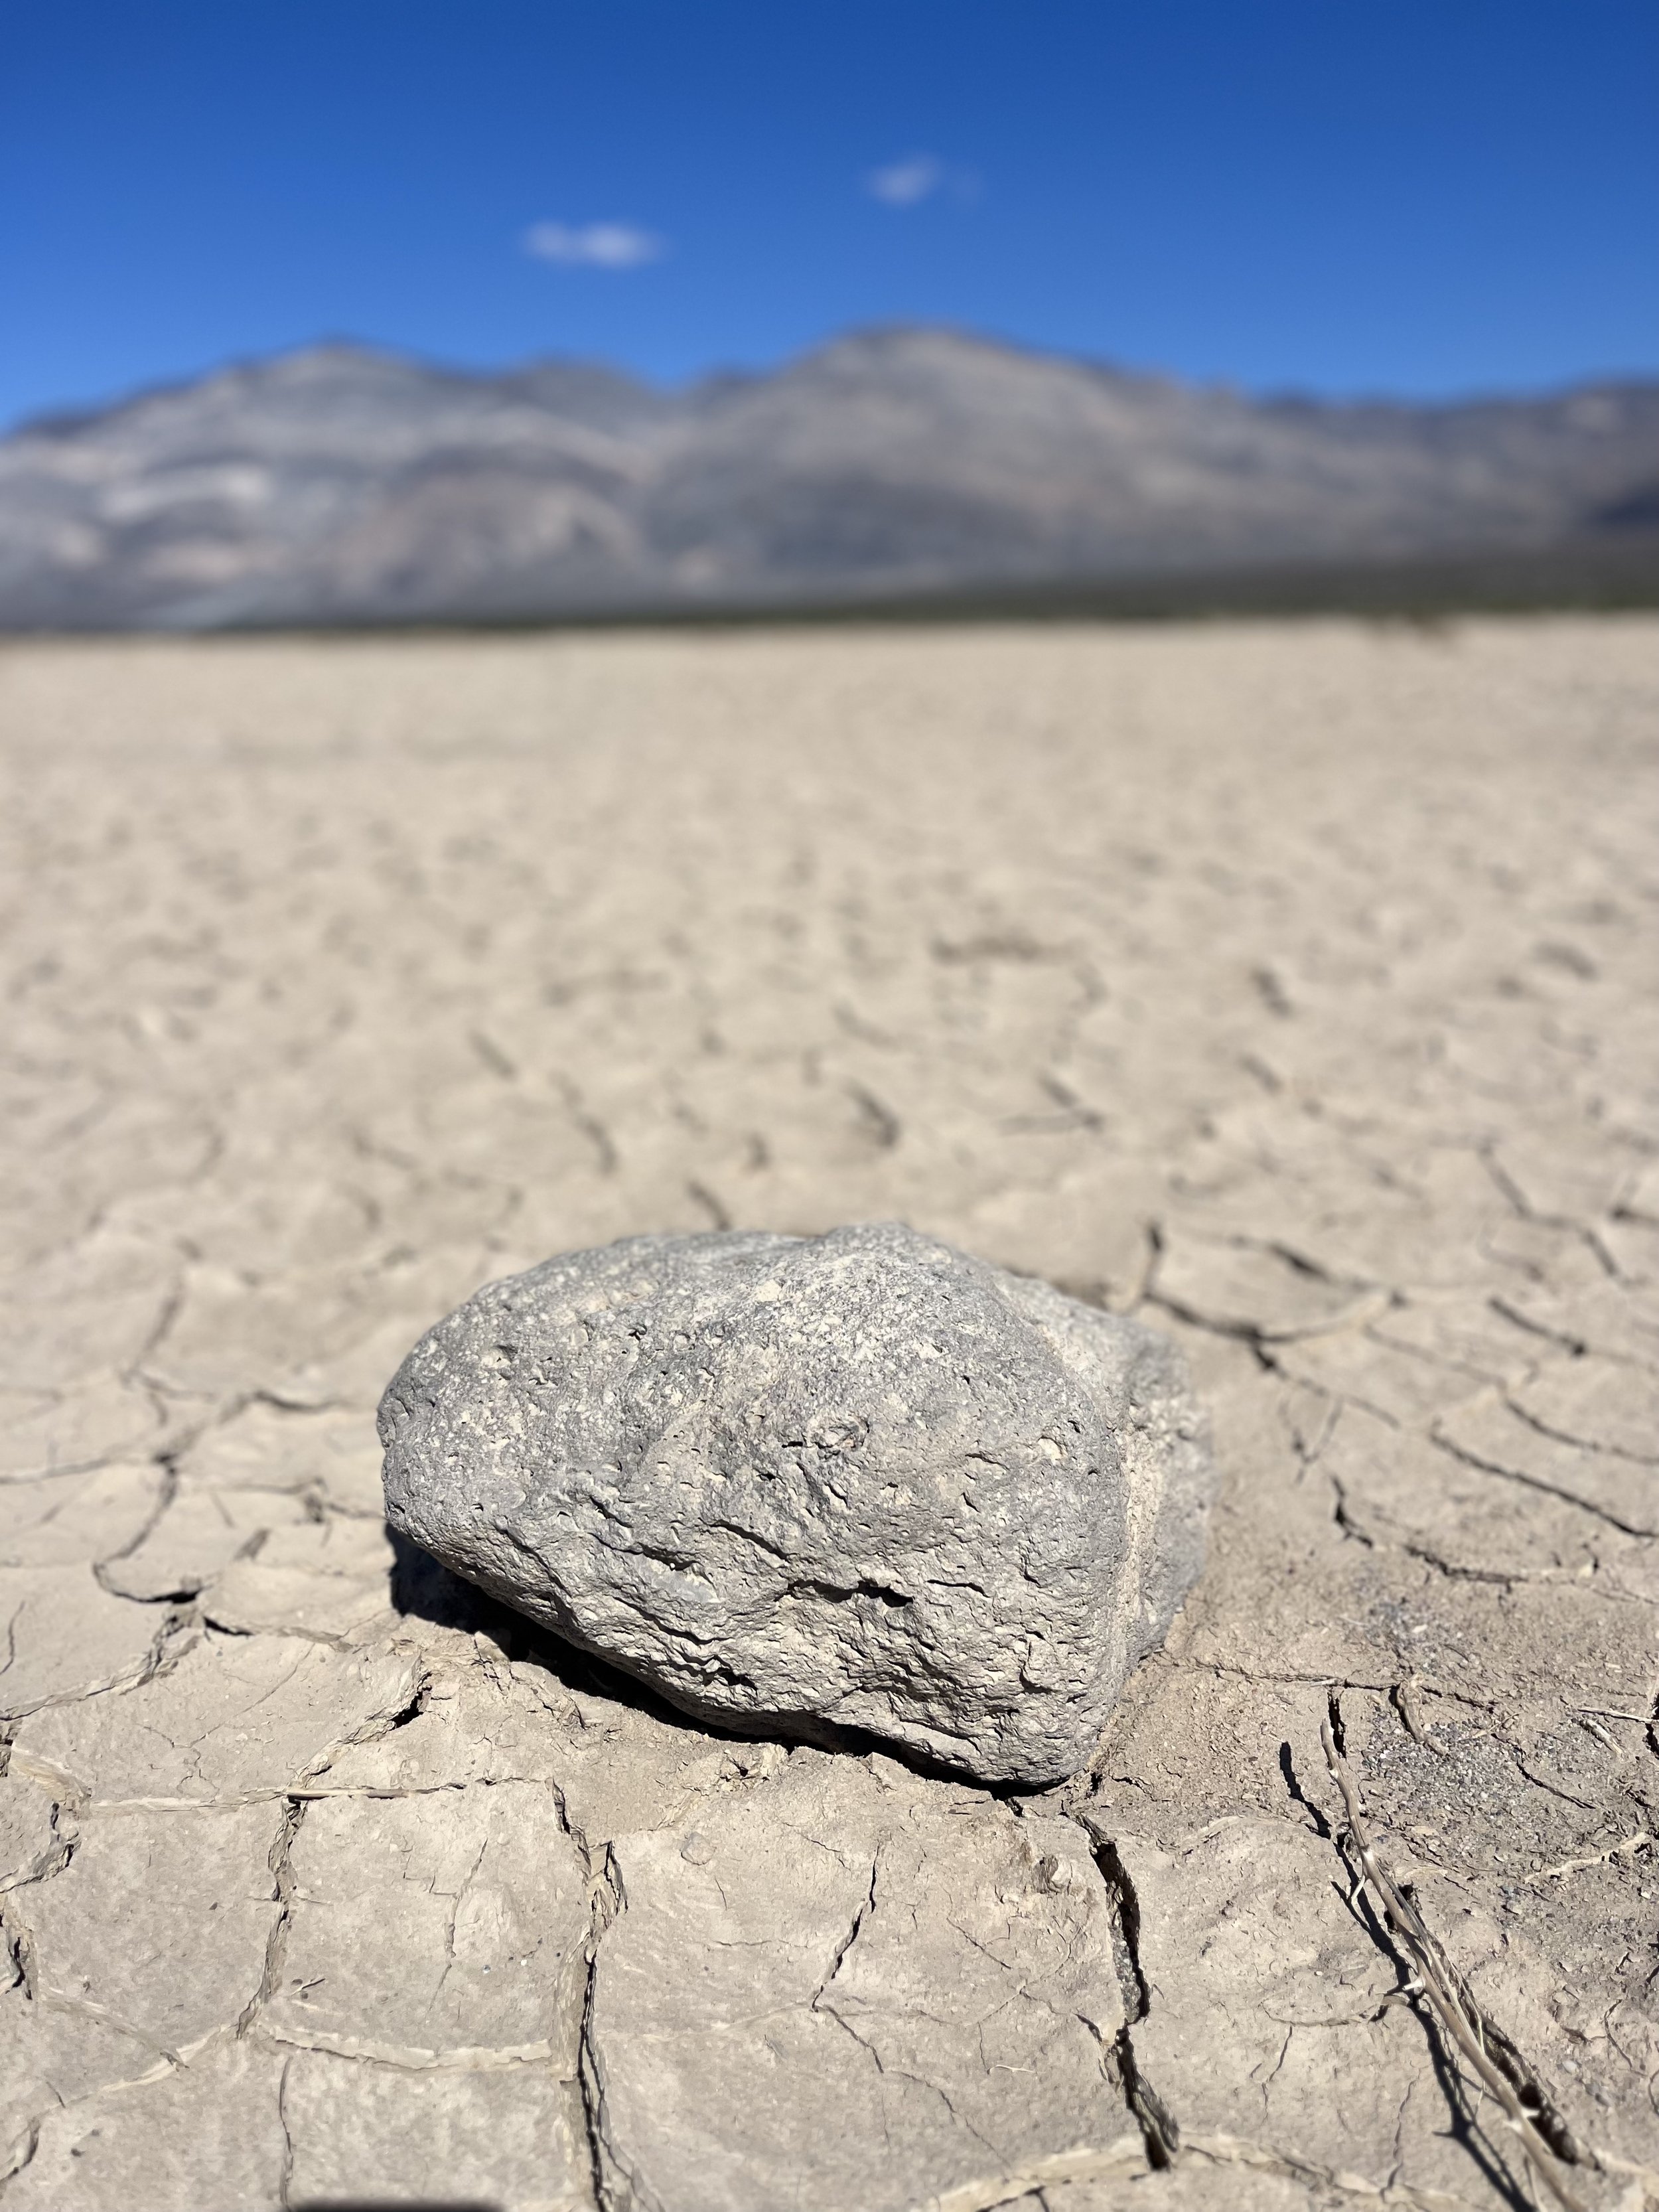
(1292, 986)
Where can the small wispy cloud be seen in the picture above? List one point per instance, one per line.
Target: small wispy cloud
(594, 244)
(907, 182)
(921, 177)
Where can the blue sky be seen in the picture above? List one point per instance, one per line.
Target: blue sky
(1410, 196)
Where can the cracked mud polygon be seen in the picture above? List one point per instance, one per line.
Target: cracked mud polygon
(1291, 986)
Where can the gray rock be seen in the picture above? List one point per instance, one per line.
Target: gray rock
(801, 1486)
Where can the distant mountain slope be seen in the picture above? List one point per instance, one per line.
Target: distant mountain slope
(339, 484)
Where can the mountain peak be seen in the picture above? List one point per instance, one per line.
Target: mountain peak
(343, 482)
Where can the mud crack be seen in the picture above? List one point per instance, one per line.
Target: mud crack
(607, 1901)
(281, 1873)
(1160, 2131)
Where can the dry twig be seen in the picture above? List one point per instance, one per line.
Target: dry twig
(1450, 2006)
(1627, 1849)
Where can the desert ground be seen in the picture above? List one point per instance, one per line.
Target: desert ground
(1291, 986)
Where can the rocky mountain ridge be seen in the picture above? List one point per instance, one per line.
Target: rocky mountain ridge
(342, 485)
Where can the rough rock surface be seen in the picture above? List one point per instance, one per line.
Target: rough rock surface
(857, 1481)
(1290, 987)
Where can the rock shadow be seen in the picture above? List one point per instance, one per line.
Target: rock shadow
(423, 1586)
(396, 2204)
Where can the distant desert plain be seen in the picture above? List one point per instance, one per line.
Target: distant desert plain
(1289, 985)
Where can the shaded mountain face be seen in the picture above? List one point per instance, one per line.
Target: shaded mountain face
(338, 485)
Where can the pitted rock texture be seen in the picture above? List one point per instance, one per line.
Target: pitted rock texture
(802, 1486)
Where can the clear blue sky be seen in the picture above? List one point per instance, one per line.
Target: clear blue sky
(1412, 196)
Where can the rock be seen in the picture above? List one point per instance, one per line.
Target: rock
(857, 1482)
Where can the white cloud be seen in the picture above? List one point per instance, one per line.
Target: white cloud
(907, 182)
(594, 244)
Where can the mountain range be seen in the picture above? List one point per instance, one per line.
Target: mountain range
(340, 484)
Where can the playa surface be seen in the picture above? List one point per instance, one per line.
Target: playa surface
(1291, 986)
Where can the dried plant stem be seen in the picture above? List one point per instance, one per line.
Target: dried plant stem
(1414, 1937)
